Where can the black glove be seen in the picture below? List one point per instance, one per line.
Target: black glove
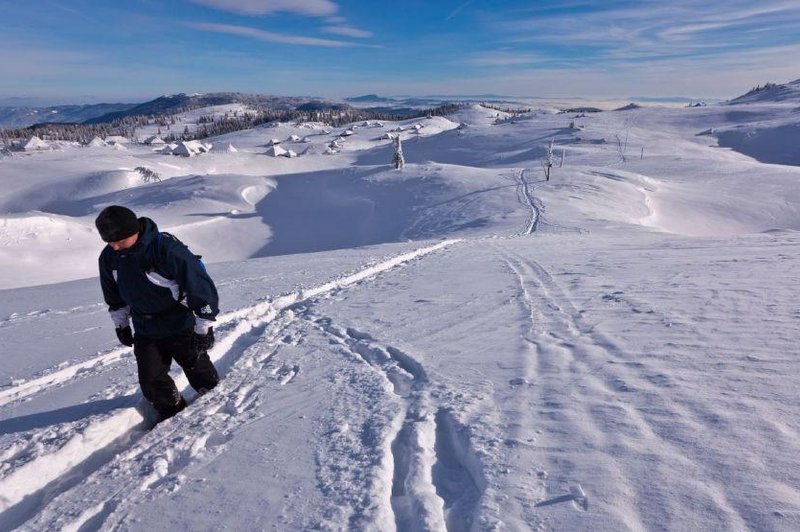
(125, 335)
(203, 342)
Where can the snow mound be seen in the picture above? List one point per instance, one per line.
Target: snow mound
(24, 236)
(776, 144)
(629, 107)
(255, 193)
(75, 196)
(477, 114)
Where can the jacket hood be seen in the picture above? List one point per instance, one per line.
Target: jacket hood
(147, 231)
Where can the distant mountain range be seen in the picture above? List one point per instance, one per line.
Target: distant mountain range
(411, 104)
(369, 98)
(177, 103)
(19, 115)
(23, 116)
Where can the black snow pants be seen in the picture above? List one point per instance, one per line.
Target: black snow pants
(153, 359)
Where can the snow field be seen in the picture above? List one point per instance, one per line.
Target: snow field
(610, 350)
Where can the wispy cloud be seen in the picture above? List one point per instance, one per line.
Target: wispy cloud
(652, 30)
(80, 13)
(727, 76)
(458, 10)
(269, 36)
(503, 58)
(348, 31)
(311, 8)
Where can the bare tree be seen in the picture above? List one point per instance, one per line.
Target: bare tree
(622, 137)
(547, 162)
(622, 147)
(398, 161)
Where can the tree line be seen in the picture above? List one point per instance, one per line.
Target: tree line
(208, 126)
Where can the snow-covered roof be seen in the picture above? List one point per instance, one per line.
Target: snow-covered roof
(184, 149)
(154, 140)
(273, 142)
(275, 151)
(188, 148)
(95, 143)
(200, 147)
(35, 143)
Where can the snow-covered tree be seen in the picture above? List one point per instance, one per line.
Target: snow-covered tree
(547, 162)
(398, 161)
(148, 174)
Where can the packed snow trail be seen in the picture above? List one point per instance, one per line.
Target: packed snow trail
(31, 479)
(63, 375)
(527, 199)
(435, 481)
(88, 367)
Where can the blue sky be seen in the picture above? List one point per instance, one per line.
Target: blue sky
(138, 49)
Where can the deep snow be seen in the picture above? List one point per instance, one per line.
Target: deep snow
(460, 345)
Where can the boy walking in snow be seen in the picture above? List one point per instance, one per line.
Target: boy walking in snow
(153, 279)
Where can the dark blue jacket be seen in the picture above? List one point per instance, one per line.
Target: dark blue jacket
(164, 284)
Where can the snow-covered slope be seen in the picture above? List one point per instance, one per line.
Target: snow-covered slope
(459, 345)
(772, 93)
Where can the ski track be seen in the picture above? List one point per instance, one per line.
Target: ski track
(65, 373)
(118, 439)
(15, 318)
(526, 198)
(570, 357)
(434, 477)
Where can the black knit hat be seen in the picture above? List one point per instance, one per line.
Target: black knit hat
(116, 223)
